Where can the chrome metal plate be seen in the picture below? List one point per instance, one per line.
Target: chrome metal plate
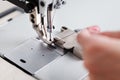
(32, 55)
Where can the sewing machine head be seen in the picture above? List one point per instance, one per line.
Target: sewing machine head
(40, 10)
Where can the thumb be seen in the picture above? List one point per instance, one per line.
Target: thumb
(85, 34)
(83, 37)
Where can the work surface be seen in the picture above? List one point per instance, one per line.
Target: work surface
(104, 13)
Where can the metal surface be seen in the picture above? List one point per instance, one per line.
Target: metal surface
(67, 67)
(32, 55)
(9, 11)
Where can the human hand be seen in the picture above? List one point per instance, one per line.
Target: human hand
(101, 53)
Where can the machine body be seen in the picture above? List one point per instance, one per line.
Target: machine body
(41, 9)
(47, 47)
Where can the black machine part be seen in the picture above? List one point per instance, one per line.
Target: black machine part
(27, 5)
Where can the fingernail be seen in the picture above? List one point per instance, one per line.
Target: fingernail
(94, 29)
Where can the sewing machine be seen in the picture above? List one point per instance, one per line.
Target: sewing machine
(41, 10)
(50, 48)
(82, 13)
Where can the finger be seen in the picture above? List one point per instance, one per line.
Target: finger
(87, 32)
(115, 34)
(93, 43)
(83, 37)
